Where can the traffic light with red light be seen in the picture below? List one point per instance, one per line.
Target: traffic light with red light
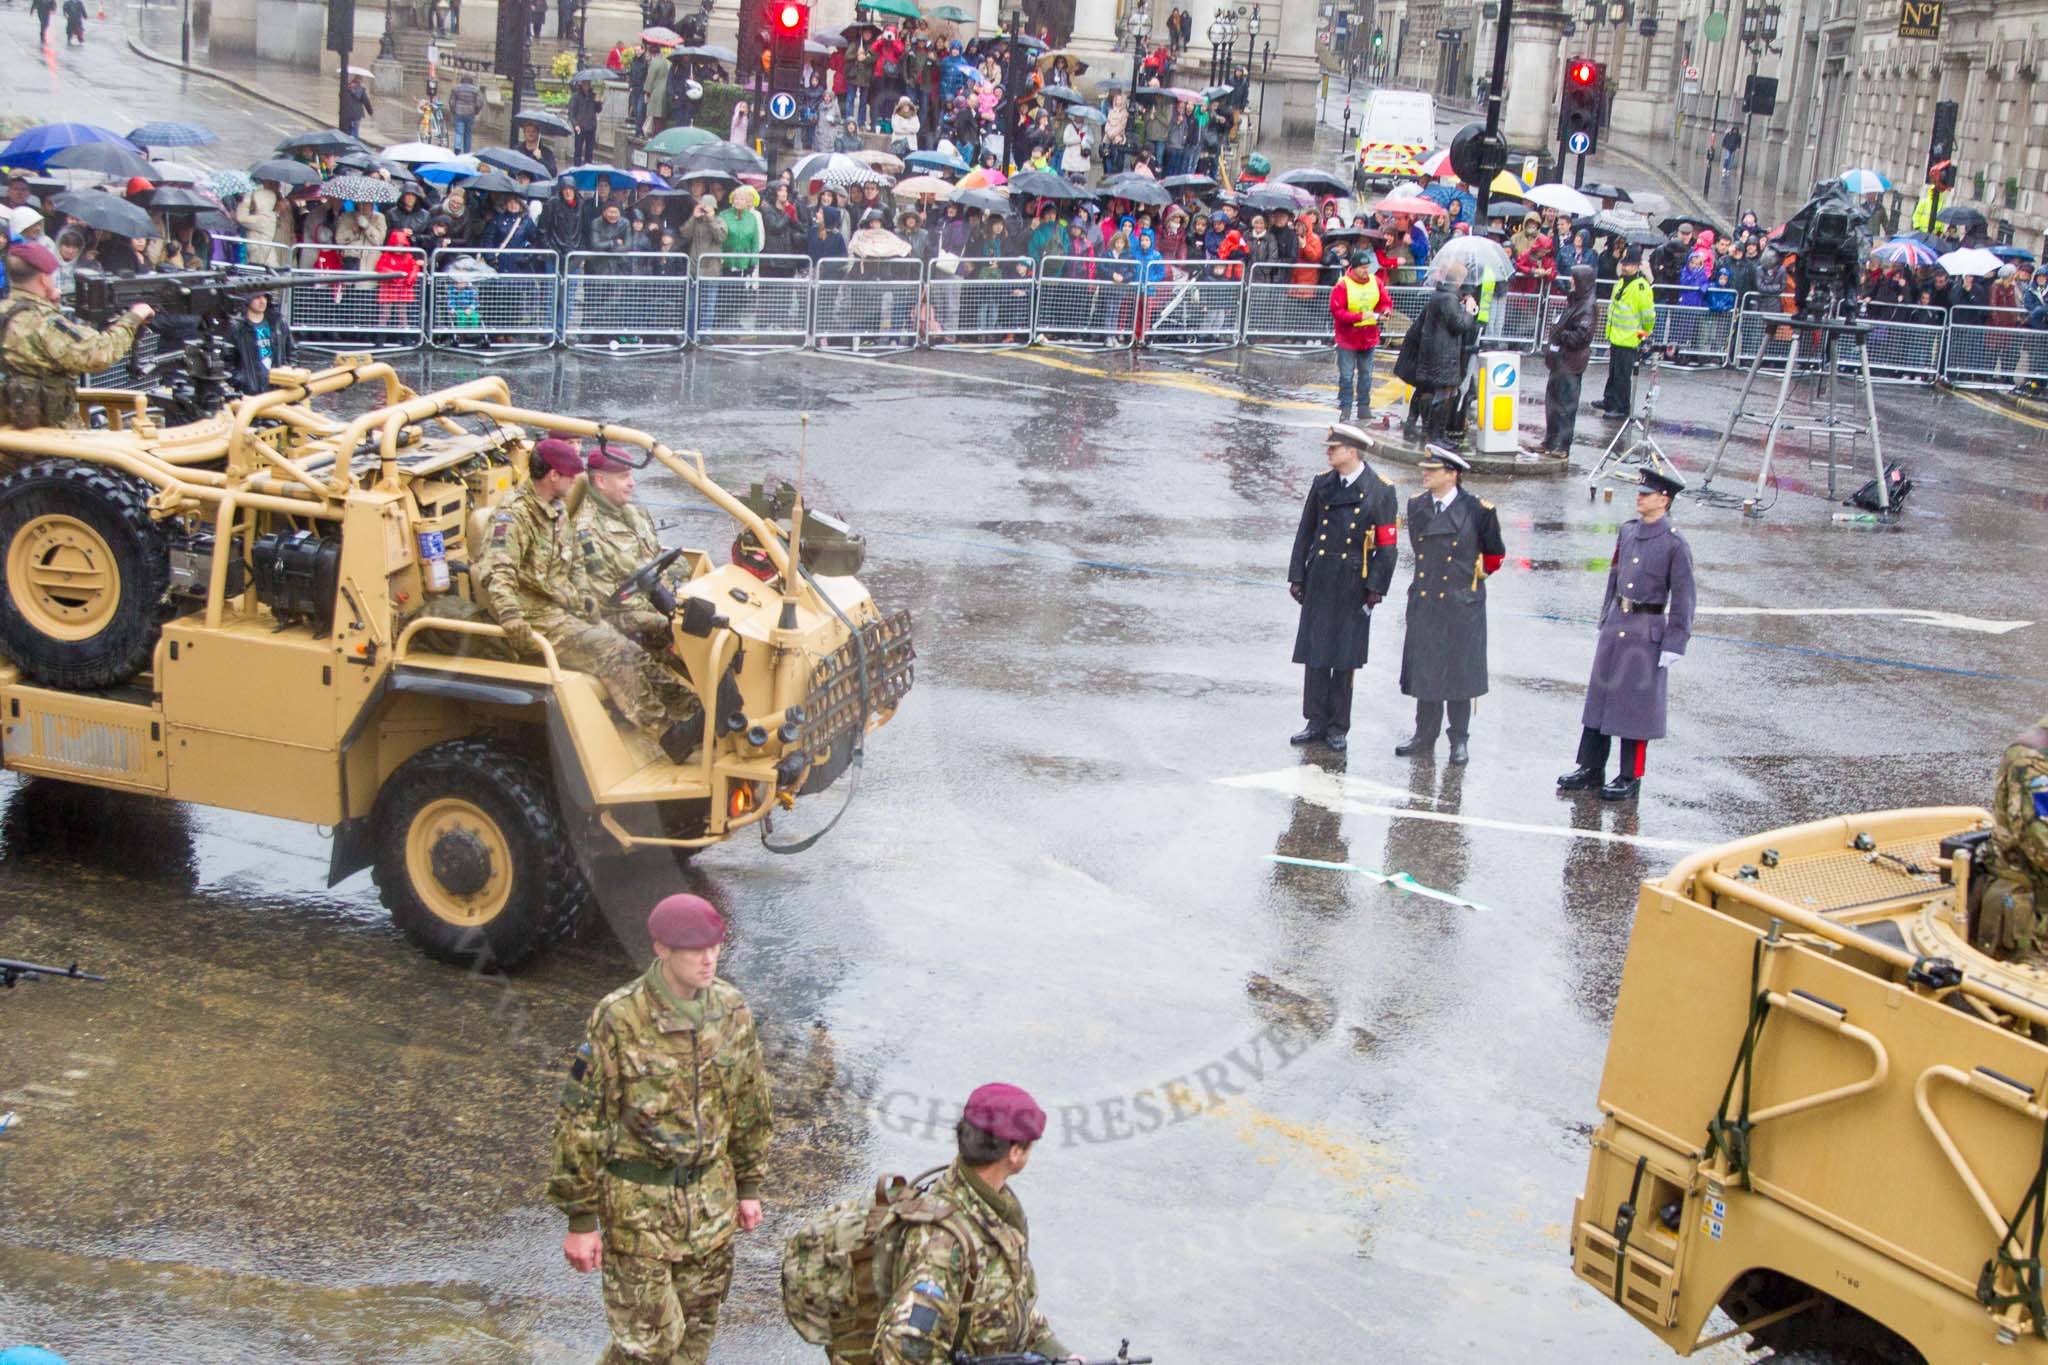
(789, 24)
(1585, 89)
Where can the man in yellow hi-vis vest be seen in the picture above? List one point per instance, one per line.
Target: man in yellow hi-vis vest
(1631, 317)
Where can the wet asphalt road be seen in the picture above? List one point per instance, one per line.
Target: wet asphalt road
(1294, 1112)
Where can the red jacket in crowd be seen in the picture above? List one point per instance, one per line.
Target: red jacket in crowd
(1358, 329)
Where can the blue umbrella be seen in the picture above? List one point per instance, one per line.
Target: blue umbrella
(1861, 181)
(2006, 251)
(1463, 207)
(937, 161)
(448, 172)
(171, 135)
(37, 145)
(585, 177)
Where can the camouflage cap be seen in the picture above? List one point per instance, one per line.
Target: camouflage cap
(36, 255)
(1006, 1112)
(685, 921)
(559, 456)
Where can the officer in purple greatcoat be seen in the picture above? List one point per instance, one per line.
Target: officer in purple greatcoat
(1645, 622)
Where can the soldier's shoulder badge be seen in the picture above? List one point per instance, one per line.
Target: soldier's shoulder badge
(929, 1288)
(501, 526)
(1487, 505)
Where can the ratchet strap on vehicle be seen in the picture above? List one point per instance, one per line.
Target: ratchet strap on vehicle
(860, 729)
(1625, 1226)
(2026, 1270)
(1732, 1135)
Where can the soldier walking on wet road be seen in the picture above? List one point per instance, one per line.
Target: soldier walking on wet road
(1457, 544)
(1341, 568)
(615, 536)
(662, 1141)
(966, 1283)
(1645, 622)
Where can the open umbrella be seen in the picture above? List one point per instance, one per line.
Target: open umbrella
(1212, 93)
(518, 163)
(550, 124)
(322, 141)
(172, 135)
(844, 180)
(113, 159)
(919, 185)
(834, 42)
(1564, 199)
(284, 171)
(1046, 185)
(1672, 224)
(1507, 209)
(902, 9)
(1062, 94)
(591, 74)
(1193, 180)
(1475, 258)
(823, 166)
(1962, 216)
(987, 200)
(982, 177)
(415, 153)
(172, 198)
(709, 52)
(888, 163)
(32, 148)
(1861, 181)
(660, 37)
(585, 177)
(230, 183)
(1904, 251)
(952, 14)
(695, 182)
(671, 141)
(105, 212)
(1604, 191)
(1971, 260)
(1413, 206)
(2006, 251)
(364, 72)
(449, 171)
(363, 189)
(493, 182)
(938, 161)
(861, 28)
(1139, 190)
(1113, 85)
(720, 156)
(1270, 196)
(1086, 113)
(1456, 199)
(1314, 180)
(1437, 164)
(176, 173)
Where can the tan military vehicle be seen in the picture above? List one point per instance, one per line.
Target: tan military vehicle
(1823, 1106)
(271, 610)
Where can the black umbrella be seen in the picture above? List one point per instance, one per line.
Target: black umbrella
(853, 31)
(1670, 225)
(492, 182)
(708, 177)
(519, 163)
(597, 73)
(550, 124)
(171, 198)
(1191, 181)
(1314, 181)
(730, 157)
(106, 212)
(1045, 185)
(1955, 215)
(1262, 200)
(285, 172)
(1139, 190)
(709, 53)
(987, 200)
(835, 41)
(1344, 234)
(1614, 192)
(108, 158)
(1062, 94)
(1507, 208)
(1112, 85)
(321, 140)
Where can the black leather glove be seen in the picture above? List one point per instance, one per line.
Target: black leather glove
(1373, 599)
(1295, 591)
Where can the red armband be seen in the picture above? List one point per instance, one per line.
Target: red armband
(1493, 563)
(1385, 535)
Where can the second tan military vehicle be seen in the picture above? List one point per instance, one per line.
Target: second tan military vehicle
(271, 610)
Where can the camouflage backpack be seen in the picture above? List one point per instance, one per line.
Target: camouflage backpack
(839, 1269)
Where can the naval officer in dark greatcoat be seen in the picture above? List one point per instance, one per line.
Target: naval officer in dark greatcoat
(1342, 566)
(1457, 544)
(1645, 622)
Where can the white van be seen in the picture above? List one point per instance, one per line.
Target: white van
(1399, 130)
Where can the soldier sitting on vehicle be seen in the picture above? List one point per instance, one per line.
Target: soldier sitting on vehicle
(615, 536)
(42, 352)
(534, 584)
(2016, 894)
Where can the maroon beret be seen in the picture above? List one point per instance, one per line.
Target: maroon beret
(1006, 1112)
(559, 455)
(685, 921)
(608, 460)
(37, 255)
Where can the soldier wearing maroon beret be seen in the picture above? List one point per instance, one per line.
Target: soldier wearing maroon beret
(965, 1282)
(42, 352)
(663, 1141)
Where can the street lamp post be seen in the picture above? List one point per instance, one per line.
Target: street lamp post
(1759, 35)
(1013, 84)
(1141, 28)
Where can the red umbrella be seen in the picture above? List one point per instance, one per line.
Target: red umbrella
(1411, 205)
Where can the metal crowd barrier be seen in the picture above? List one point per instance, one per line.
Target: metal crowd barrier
(1984, 356)
(1689, 323)
(984, 305)
(375, 316)
(1906, 344)
(1280, 315)
(499, 301)
(752, 305)
(1197, 306)
(1088, 303)
(870, 306)
(637, 303)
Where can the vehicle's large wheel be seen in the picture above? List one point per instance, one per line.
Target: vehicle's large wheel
(472, 859)
(86, 574)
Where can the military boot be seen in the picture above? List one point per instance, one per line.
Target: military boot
(1579, 779)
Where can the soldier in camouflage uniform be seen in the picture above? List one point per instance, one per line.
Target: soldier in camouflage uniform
(980, 1298)
(2016, 897)
(662, 1141)
(533, 583)
(616, 536)
(42, 352)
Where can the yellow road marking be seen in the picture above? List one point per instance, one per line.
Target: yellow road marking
(1985, 403)
(1384, 388)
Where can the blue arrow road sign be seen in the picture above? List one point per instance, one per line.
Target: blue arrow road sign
(1580, 143)
(782, 106)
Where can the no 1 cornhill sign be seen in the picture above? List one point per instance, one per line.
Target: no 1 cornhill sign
(1920, 18)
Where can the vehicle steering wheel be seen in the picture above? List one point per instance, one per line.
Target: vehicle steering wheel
(647, 578)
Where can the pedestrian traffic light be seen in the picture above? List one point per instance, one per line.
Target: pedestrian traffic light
(1942, 146)
(789, 24)
(1379, 41)
(1585, 85)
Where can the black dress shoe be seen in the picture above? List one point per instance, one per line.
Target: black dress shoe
(1579, 779)
(1337, 742)
(1621, 789)
(1459, 752)
(1308, 736)
(1412, 743)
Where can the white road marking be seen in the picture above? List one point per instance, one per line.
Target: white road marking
(1915, 615)
(1312, 784)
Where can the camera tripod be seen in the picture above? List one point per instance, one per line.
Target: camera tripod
(1635, 436)
(1824, 417)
